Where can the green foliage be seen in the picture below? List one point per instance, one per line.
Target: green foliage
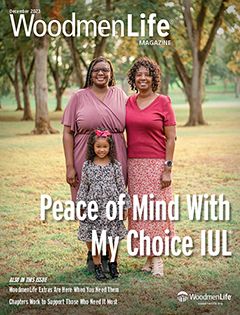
(122, 50)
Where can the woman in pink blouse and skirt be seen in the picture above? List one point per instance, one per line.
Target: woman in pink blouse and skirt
(99, 105)
(151, 133)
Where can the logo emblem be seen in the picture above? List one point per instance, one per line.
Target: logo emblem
(182, 296)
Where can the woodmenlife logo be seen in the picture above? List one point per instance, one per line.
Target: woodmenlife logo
(205, 298)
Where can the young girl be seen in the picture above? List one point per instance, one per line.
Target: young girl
(102, 181)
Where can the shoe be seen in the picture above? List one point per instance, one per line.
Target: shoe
(105, 261)
(148, 265)
(99, 273)
(113, 269)
(90, 264)
(157, 269)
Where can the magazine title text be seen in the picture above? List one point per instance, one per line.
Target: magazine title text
(146, 26)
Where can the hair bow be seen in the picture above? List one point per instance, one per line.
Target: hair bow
(102, 133)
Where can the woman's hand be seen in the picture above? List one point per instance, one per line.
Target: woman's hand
(68, 142)
(125, 215)
(166, 178)
(71, 176)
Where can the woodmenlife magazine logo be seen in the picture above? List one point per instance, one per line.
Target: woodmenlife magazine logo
(145, 27)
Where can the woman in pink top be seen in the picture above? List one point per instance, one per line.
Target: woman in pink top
(151, 133)
(99, 105)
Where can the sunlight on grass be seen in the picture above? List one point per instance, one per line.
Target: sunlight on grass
(206, 160)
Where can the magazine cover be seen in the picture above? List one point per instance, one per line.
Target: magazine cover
(120, 154)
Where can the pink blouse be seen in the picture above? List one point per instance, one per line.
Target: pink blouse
(145, 127)
(86, 112)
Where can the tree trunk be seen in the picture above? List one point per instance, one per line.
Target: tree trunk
(237, 86)
(59, 100)
(57, 79)
(76, 61)
(165, 83)
(225, 85)
(15, 83)
(195, 114)
(193, 84)
(58, 90)
(17, 96)
(27, 113)
(100, 42)
(100, 45)
(16, 87)
(42, 122)
(195, 96)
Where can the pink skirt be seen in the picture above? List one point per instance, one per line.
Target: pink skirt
(144, 177)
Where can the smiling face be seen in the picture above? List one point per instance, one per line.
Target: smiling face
(101, 74)
(101, 148)
(143, 79)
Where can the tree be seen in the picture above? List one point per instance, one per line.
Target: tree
(233, 58)
(14, 78)
(62, 10)
(100, 42)
(216, 64)
(200, 31)
(4, 89)
(60, 68)
(76, 57)
(27, 113)
(42, 121)
(122, 57)
(16, 58)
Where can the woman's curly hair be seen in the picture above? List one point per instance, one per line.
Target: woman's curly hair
(154, 71)
(88, 81)
(90, 146)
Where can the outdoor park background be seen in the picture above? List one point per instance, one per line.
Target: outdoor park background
(206, 161)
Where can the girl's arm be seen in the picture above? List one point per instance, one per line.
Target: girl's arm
(71, 175)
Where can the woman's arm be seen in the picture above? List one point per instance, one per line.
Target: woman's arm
(71, 175)
(170, 133)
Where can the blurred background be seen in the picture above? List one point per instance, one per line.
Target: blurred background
(200, 66)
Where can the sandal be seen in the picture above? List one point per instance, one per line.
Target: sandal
(157, 269)
(148, 265)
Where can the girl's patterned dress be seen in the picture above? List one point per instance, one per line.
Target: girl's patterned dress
(102, 183)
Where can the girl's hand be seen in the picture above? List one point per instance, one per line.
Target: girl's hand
(166, 179)
(82, 210)
(71, 176)
(125, 215)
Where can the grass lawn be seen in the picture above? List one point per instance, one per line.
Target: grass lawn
(206, 161)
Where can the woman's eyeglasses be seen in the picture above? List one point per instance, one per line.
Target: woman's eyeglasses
(97, 70)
